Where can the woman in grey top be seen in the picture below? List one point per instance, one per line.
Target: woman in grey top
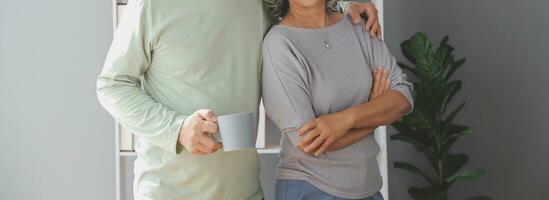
(327, 85)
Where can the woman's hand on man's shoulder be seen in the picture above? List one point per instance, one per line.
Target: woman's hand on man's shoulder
(357, 9)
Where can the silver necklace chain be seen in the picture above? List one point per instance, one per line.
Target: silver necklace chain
(324, 33)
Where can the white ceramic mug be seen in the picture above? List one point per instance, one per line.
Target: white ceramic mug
(237, 131)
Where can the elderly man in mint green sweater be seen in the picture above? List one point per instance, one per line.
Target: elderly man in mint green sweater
(172, 67)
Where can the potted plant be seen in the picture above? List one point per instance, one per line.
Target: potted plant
(430, 127)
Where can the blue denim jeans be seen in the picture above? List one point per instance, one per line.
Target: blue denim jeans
(303, 190)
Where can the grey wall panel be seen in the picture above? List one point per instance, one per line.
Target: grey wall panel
(507, 69)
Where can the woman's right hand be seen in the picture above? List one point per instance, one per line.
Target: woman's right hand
(381, 83)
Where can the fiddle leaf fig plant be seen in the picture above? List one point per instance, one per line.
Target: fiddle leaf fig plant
(430, 127)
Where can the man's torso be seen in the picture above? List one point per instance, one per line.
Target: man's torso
(205, 54)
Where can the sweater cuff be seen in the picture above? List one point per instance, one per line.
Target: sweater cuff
(173, 143)
(342, 6)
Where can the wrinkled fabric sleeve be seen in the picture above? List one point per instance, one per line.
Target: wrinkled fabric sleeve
(341, 5)
(378, 55)
(285, 87)
(119, 85)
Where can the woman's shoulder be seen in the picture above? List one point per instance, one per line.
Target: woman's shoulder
(277, 34)
(278, 39)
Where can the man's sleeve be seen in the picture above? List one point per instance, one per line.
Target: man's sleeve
(341, 5)
(285, 88)
(119, 85)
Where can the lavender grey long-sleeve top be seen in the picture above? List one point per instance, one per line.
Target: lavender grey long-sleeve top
(302, 80)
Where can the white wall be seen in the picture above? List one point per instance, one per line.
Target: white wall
(55, 140)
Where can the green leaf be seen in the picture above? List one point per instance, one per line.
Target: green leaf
(411, 134)
(429, 128)
(406, 67)
(483, 197)
(444, 40)
(453, 163)
(426, 193)
(401, 126)
(453, 68)
(420, 193)
(408, 138)
(453, 114)
(455, 131)
(416, 48)
(426, 101)
(468, 175)
(412, 169)
(444, 55)
(452, 134)
(451, 90)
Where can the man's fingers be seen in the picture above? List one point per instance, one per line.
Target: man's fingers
(309, 137)
(313, 146)
(309, 125)
(197, 150)
(209, 143)
(209, 127)
(204, 149)
(207, 115)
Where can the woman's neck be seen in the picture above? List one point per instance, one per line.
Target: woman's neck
(308, 17)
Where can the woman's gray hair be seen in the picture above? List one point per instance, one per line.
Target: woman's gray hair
(278, 8)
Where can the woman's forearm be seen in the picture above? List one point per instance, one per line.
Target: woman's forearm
(385, 109)
(353, 136)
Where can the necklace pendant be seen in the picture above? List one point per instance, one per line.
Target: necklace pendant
(326, 45)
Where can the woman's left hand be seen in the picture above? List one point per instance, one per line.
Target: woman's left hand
(323, 131)
(381, 83)
(357, 10)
